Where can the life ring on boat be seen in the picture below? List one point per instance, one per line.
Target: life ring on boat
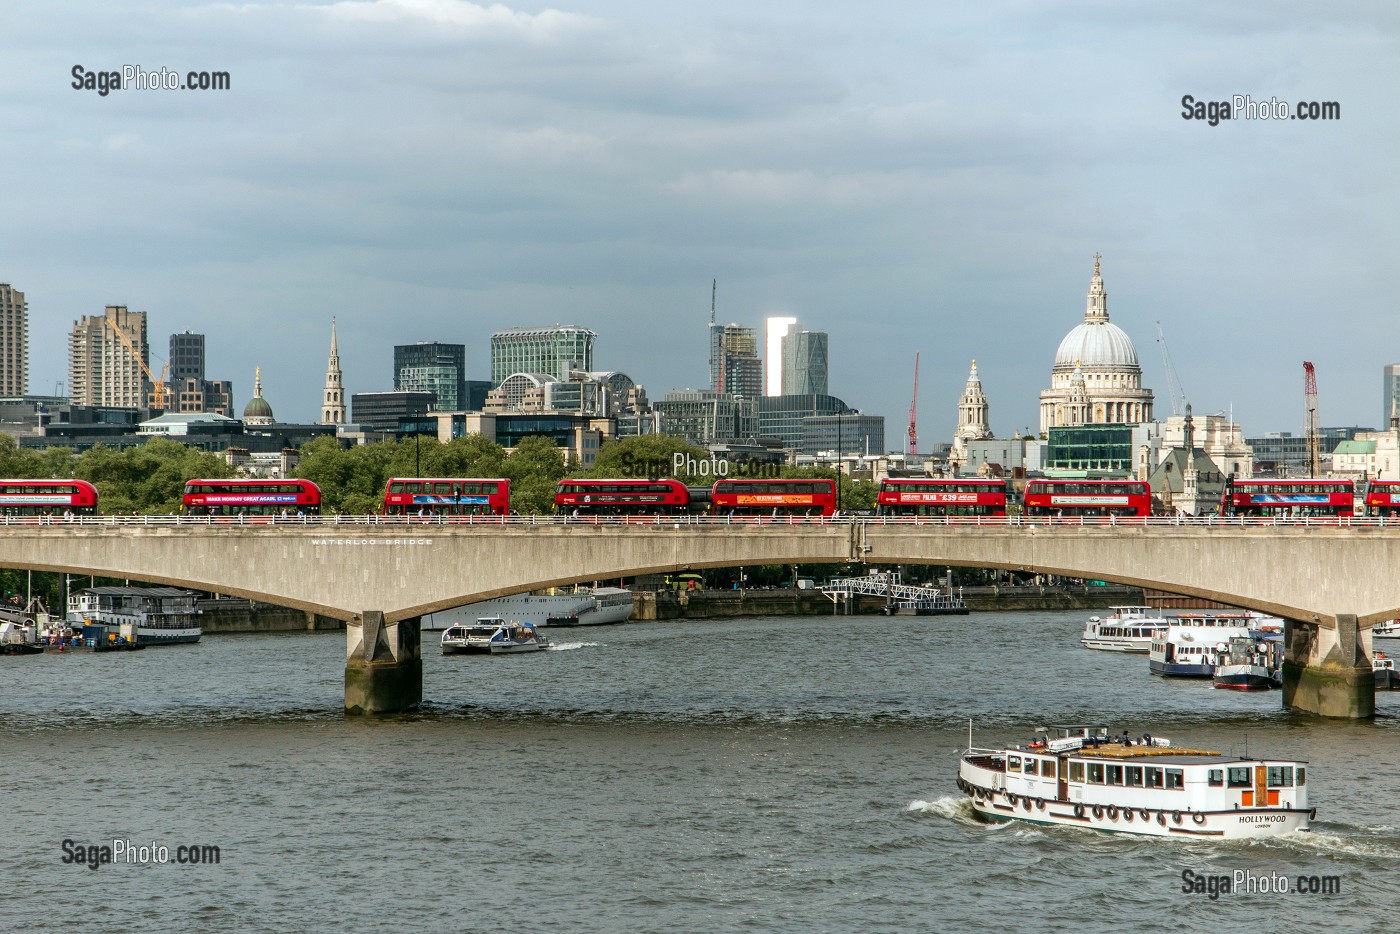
(1128, 815)
(1198, 817)
(1176, 817)
(1079, 810)
(1162, 818)
(1113, 812)
(1098, 812)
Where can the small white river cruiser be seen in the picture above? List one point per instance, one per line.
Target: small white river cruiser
(493, 635)
(1077, 776)
(1126, 629)
(1252, 663)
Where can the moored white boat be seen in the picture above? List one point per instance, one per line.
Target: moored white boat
(1126, 629)
(1252, 663)
(596, 606)
(495, 636)
(1390, 629)
(1075, 776)
(1383, 667)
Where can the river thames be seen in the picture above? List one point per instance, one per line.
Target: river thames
(776, 774)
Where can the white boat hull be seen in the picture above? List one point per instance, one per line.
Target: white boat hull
(1135, 647)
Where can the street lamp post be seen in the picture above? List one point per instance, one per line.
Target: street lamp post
(838, 460)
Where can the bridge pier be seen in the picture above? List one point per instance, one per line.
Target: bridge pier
(383, 664)
(1328, 671)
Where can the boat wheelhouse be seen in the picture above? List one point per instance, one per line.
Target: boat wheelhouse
(1076, 775)
(1126, 629)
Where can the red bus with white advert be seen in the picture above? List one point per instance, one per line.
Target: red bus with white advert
(621, 497)
(47, 498)
(252, 498)
(1088, 498)
(928, 496)
(1302, 497)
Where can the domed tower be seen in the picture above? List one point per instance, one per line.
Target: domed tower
(1107, 363)
(258, 411)
(973, 424)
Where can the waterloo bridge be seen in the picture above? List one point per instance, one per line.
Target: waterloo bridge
(1330, 580)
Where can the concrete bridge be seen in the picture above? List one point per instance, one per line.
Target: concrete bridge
(1331, 581)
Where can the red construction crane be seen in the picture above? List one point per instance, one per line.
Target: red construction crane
(1310, 422)
(913, 410)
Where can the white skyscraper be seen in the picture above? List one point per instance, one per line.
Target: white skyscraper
(777, 329)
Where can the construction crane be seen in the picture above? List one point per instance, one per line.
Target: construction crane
(1310, 419)
(159, 398)
(913, 410)
(1174, 390)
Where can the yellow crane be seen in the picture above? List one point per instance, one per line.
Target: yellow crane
(160, 398)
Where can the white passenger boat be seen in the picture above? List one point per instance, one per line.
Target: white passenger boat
(1390, 629)
(1193, 643)
(158, 615)
(493, 635)
(1252, 663)
(1076, 776)
(1126, 629)
(585, 606)
(1383, 667)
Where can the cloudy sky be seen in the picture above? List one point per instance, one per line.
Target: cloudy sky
(906, 176)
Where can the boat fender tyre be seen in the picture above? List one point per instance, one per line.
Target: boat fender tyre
(1025, 804)
(1113, 812)
(1312, 815)
(1145, 814)
(1011, 799)
(1198, 818)
(1040, 803)
(1128, 815)
(1098, 812)
(1176, 817)
(1162, 818)
(1079, 810)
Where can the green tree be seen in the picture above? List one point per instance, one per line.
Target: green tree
(647, 456)
(535, 468)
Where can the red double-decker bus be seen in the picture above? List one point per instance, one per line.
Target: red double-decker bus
(251, 497)
(47, 498)
(773, 497)
(622, 497)
(1383, 498)
(446, 496)
(924, 496)
(1309, 497)
(1087, 498)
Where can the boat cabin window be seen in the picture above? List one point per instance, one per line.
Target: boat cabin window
(1096, 773)
(1217, 777)
(1301, 775)
(1076, 771)
(1115, 775)
(1135, 776)
(1154, 778)
(1175, 779)
(1239, 777)
(1029, 767)
(1047, 768)
(1013, 763)
(1280, 776)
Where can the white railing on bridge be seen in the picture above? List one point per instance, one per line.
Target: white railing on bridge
(677, 521)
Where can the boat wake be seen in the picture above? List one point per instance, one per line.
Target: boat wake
(953, 807)
(569, 646)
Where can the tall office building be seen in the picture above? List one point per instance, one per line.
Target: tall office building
(186, 356)
(14, 343)
(737, 368)
(547, 351)
(805, 363)
(775, 329)
(1390, 391)
(106, 356)
(429, 366)
(333, 398)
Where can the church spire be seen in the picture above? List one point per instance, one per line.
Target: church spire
(1096, 309)
(333, 402)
